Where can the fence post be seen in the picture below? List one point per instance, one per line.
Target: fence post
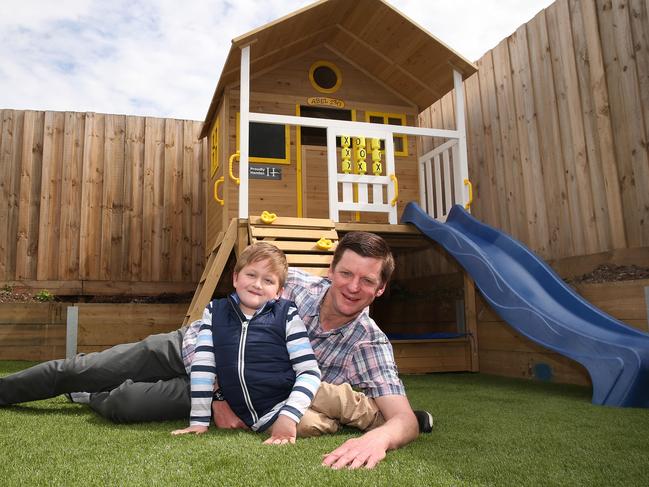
(72, 327)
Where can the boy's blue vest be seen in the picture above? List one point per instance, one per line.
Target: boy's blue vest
(262, 359)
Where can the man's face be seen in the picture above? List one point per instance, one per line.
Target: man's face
(355, 282)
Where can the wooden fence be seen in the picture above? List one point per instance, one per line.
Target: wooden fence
(37, 331)
(558, 129)
(93, 203)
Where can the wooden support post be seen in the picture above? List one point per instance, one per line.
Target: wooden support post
(471, 322)
(212, 273)
(71, 332)
(243, 237)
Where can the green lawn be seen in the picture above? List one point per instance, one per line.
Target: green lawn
(488, 431)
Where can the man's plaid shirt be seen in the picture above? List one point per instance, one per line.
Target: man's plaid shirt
(358, 353)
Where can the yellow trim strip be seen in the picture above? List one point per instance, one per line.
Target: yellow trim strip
(298, 164)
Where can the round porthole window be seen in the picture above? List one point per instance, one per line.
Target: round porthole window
(325, 77)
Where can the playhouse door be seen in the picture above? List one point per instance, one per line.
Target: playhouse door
(315, 198)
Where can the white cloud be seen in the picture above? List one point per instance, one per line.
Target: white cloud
(163, 58)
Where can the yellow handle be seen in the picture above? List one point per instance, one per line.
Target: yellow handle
(393, 177)
(216, 191)
(468, 183)
(232, 176)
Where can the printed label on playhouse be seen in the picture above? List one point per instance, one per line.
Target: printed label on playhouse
(324, 101)
(257, 171)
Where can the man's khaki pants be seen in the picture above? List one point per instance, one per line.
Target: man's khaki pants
(339, 405)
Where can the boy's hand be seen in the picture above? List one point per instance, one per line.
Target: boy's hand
(284, 430)
(224, 417)
(197, 430)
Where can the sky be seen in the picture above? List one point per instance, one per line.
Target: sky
(163, 58)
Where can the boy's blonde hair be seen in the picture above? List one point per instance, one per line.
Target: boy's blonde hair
(262, 251)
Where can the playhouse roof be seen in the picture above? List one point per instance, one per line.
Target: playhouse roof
(368, 33)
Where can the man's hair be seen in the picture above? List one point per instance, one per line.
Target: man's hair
(264, 251)
(366, 244)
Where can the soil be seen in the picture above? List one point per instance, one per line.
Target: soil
(8, 295)
(611, 273)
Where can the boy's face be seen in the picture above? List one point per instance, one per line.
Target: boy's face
(256, 284)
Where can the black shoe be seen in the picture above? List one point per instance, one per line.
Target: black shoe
(425, 421)
(78, 397)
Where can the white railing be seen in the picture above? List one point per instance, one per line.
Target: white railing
(362, 192)
(441, 180)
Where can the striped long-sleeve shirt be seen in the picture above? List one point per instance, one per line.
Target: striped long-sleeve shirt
(203, 372)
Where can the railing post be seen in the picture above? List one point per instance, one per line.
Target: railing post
(332, 172)
(462, 163)
(244, 130)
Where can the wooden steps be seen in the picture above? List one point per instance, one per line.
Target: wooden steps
(298, 238)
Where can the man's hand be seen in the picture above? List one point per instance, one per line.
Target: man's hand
(283, 431)
(224, 417)
(197, 430)
(367, 451)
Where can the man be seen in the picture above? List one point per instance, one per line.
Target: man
(350, 347)
(148, 380)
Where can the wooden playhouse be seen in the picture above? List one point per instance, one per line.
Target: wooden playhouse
(314, 120)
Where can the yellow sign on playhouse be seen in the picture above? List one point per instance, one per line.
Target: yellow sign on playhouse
(325, 101)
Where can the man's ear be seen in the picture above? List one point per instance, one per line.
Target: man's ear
(380, 291)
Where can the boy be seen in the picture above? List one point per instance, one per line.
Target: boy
(257, 346)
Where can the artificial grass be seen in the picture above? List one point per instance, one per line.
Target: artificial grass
(488, 431)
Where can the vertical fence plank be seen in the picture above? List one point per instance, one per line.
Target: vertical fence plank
(152, 199)
(188, 171)
(200, 165)
(91, 197)
(528, 143)
(483, 203)
(133, 192)
(50, 211)
(571, 141)
(30, 190)
(112, 198)
(10, 167)
(549, 138)
(172, 253)
(6, 143)
(639, 15)
(71, 196)
(586, 61)
(509, 141)
(493, 154)
(621, 74)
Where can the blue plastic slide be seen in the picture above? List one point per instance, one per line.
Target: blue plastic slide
(535, 301)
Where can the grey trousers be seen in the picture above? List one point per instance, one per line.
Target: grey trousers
(143, 381)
